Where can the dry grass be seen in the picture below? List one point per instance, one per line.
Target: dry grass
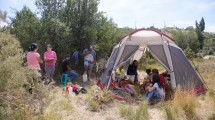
(97, 98)
(58, 107)
(127, 111)
(184, 102)
(132, 112)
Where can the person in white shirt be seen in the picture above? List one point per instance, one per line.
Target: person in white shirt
(155, 90)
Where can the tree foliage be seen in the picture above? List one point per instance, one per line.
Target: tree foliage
(200, 27)
(186, 40)
(25, 26)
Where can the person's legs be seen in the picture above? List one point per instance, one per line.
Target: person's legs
(52, 72)
(136, 79)
(90, 66)
(73, 75)
(86, 64)
(48, 71)
(150, 95)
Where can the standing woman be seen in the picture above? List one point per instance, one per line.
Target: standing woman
(33, 58)
(50, 58)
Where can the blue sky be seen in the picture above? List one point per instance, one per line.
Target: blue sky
(145, 13)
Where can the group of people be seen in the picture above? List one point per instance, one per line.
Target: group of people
(153, 86)
(50, 57)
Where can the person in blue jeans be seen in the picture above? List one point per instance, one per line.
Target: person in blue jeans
(154, 90)
(68, 70)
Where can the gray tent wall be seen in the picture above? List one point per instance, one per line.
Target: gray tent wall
(165, 51)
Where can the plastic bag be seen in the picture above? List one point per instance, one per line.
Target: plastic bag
(71, 93)
(84, 77)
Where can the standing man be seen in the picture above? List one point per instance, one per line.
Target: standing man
(89, 59)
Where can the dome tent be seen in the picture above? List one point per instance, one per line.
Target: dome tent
(164, 49)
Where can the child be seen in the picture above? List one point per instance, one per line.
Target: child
(148, 80)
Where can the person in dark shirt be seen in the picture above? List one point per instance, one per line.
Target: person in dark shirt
(132, 70)
(68, 70)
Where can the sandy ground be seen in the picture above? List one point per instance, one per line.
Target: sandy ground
(80, 109)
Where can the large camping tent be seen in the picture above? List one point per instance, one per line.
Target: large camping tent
(164, 49)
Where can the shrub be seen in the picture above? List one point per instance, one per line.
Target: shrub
(170, 113)
(185, 101)
(127, 112)
(142, 111)
(16, 83)
(98, 98)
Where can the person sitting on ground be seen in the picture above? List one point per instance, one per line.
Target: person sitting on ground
(120, 74)
(155, 90)
(132, 70)
(146, 83)
(161, 76)
(122, 87)
(127, 88)
(89, 59)
(68, 70)
(33, 58)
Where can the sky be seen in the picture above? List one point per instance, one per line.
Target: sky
(144, 13)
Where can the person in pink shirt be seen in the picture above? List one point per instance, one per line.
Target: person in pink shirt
(50, 58)
(33, 58)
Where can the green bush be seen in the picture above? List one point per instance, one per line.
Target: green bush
(15, 100)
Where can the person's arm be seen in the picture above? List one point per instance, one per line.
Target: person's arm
(151, 88)
(85, 52)
(46, 59)
(40, 60)
(69, 68)
(94, 58)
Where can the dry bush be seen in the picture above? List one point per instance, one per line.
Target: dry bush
(183, 102)
(55, 110)
(142, 111)
(170, 112)
(21, 96)
(131, 112)
(97, 98)
(127, 111)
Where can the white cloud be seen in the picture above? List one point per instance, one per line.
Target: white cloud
(210, 28)
(14, 3)
(146, 13)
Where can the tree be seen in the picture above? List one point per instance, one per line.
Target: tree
(202, 25)
(25, 26)
(199, 29)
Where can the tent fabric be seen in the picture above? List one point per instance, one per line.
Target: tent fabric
(159, 52)
(109, 67)
(184, 73)
(164, 49)
(128, 51)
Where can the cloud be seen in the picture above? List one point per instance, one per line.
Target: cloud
(146, 13)
(210, 28)
(14, 3)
